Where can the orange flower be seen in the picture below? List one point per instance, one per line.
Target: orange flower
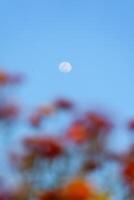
(78, 189)
(78, 133)
(44, 147)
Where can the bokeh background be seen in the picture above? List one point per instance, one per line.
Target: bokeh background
(97, 37)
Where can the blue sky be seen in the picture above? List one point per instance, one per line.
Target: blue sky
(97, 37)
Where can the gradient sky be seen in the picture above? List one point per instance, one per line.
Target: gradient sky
(97, 37)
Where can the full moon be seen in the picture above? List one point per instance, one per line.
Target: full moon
(65, 67)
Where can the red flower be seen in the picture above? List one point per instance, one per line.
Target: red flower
(44, 147)
(98, 122)
(4, 77)
(131, 125)
(63, 104)
(91, 165)
(9, 111)
(50, 195)
(128, 173)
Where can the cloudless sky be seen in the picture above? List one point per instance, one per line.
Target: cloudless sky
(96, 37)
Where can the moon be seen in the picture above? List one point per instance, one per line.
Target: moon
(65, 67)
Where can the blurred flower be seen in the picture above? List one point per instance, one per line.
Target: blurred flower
(4, 78)
(81, 162)
(98, 122)
(78, 189)
(131, 125)
(78, 133)
(44, 147)
(7, 78)
(90, 165)
(50, 195)
(9, 111)
(128, 173)
(35, 120)
(63, 104)
(37, 117)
